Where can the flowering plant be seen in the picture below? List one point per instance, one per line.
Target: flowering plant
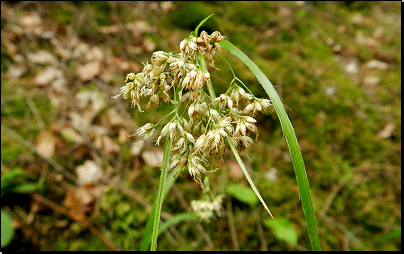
(214, 124)
(209, 121)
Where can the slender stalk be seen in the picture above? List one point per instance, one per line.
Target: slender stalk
(160, 196)
(236, 155)
(297, 159)
(240, 162)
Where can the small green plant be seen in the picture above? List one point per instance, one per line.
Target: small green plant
(12, 181)
(203, 126)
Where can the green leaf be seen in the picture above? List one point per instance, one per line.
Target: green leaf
(396, 233)
(25, 188)
(176, 219)
(7, 229)
(296, 156)
(160, 194)
(242, 193)
(147, 232)
(283, 229)
(200, 24)
(10, 175)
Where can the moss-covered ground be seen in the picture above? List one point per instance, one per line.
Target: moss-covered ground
(336, 66)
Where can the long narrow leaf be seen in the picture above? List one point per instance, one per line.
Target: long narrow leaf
(160, 195)
(149, 225)
(297, 159)
(236, 155)
(176, 219)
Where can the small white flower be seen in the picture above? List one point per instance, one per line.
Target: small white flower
(250, 119)
(183, 44)
(257, 106)
(190, 137)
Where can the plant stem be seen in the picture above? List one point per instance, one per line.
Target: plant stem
(163, 180)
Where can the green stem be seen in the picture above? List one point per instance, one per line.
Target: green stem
(240, 162)
(212, 94)
(160, 196)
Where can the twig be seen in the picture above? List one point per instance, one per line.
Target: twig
(260, 232)
(83, 223)
(348, 234)
(33, 149)
(35, 111)
(232, 228)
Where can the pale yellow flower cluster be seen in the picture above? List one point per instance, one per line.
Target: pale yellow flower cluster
(204, 133)
(207, 209)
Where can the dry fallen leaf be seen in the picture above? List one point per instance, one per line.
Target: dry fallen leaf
(167, 6)
(122, 135)
(88, 172)
(138, 28)
(73, 203)
(32, 23)
(71, 135)
(16, 71)
(80, 49)
(84, 195)
(88, 71)
(136, 148)
(45, 144)
(153, 158)
(387, 130)
(94, 54)
(115, 119)
(109, 145)
(49, 74)
(235, 171)
(149, 45)
(43, 57)
(109, 29)
(106, 74)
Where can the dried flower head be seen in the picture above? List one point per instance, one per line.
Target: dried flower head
(208, 123)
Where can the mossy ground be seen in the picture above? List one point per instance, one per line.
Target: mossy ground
(354, 173)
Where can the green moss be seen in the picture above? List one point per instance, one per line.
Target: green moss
(189, 14)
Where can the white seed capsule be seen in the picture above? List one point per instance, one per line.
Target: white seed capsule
(183, 44)
(222, 133)
(184, 161)
(237, 129)
(251, 127)
(217, 139)
(165, 130)
(249, 108)
(192, 171)
(229, 103)
(191, 110)
(206, 75)
(192, 74)
(200, 142)
(257, 106)
(192, 45)
(243, 129)
(172, 126)
(200, 168)
(190, 137)
(250, 119)
(174, 163)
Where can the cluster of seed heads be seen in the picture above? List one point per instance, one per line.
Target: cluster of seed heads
(211, 124)
(207, 209)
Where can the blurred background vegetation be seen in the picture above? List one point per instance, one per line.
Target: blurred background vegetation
(72, 180)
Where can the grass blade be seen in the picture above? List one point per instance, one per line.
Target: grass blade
(297, 159)
(149, 225)
(160, 195)
(240, 162)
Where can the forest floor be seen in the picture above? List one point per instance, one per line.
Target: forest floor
(66, 157)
